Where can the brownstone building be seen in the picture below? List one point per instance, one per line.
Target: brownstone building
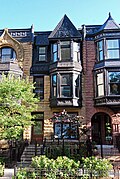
(73, 69)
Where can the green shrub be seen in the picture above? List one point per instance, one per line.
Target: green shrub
(1, 169)
(96, 166)
(25, 173)
(62, 166)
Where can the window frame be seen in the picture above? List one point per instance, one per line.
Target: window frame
(64, 47)
(42, 53)
(55, 52)
(9, 57)
(61, 123)
(40, 93)
(112, 49)
(54, 86)
(99, 83)
(116, 85)
(63, 85)
(100, 50)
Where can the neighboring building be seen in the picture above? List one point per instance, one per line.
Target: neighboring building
(73, 69)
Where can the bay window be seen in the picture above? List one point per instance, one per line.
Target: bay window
(66, 51)
(108, 49)
(64, 85)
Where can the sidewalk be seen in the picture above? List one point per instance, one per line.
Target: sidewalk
(8, 173)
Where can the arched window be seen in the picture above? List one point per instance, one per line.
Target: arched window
(7, 54)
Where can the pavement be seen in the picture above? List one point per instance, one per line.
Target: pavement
(8, 173)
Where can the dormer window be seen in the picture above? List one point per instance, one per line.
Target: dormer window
(7, 54)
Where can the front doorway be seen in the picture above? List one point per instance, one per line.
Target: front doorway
(101, 129)
(37, 128)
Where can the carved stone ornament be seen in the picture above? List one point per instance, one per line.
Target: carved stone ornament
(116, 118)
(7, 40)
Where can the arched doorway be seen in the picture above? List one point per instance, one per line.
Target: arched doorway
(101, 128)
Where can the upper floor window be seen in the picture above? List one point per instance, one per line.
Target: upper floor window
(42, 54)
(39, 86)
(65, 85)
(55, 52)
(112, 49)
(54, 84)
(65, 50)
(7, 54)
(114, 83)
(108, 49)
(100, 84)
(100, 50)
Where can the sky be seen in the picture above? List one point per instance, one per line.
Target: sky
(45, 14)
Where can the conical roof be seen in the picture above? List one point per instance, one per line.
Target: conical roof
(109, 24)
(65, 28)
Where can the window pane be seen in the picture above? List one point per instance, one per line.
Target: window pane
(65, 133)
(114, 82)
(113, 53)
(65, 79)
(38, 128)
(113, 48)
(57, 130)
(54, 80)
(42, 50)
(99, 78)
(65, 50)
(65, 91)
(100, 84)
(39, 87)
(114, 77)
(65, 54)
(100, 50)
(54, 84)
(100, 90)
(101, 55)
(7, 54)
(100, 45)
(42, 57)
(113, 43)
(54, 47)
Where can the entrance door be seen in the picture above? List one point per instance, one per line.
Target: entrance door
(101, 128)
(37, 128)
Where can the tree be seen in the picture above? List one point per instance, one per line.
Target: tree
(17, 101)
